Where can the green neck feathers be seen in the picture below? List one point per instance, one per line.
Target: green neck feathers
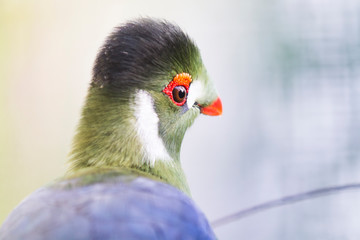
(108, 136)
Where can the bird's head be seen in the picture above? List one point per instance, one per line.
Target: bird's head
(149, 84)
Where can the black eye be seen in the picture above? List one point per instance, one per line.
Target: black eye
(179, 94)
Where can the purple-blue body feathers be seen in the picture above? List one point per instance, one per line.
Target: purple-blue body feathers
(122, 207)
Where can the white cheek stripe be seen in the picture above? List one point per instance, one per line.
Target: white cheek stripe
(147, 128)
(195, 92)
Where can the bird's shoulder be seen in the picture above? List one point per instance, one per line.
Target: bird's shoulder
(107, 204)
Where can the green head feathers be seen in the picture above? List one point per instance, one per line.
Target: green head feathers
(128, 120)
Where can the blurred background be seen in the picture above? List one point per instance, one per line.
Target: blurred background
(288, 73)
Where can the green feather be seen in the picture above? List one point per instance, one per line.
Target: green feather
(107, 139)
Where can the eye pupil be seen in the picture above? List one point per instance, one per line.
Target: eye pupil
(179, 94)
(182, 94)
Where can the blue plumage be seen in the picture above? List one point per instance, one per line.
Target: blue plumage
(121, 207)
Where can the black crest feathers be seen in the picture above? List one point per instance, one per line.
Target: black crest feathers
(143, 50)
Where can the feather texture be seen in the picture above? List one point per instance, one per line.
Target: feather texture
(113, 205)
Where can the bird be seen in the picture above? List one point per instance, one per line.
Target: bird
(125, 179)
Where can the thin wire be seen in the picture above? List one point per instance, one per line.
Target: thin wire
(283, 201)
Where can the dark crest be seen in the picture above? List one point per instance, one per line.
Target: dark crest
(142, 50)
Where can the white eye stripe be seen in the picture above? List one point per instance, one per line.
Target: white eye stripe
(195, 92)
(147, 128)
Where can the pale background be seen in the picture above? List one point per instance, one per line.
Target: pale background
(288, 74)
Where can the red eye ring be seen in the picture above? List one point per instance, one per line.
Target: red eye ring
(180, 80)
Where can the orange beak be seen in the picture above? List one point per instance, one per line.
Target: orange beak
(214, 109)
